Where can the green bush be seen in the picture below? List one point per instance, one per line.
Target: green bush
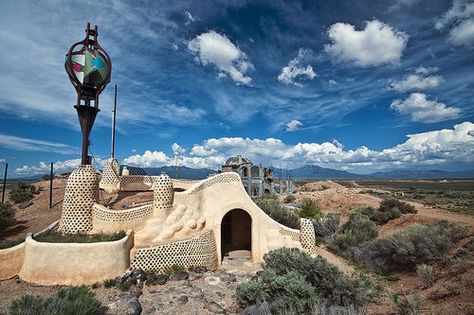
(22, 192)
(426, 274)
(382, 217)
(407, 304)
(7, 216)
(74, 300)
(356, 230)
(409, 247)
(310, 209)
(10, 243)
(326, 281)
(327, 225)
(277, 212)
(53, 236)
(390, 203)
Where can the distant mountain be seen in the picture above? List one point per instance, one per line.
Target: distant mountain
(314, 171)
(183, 172)
(427, 174)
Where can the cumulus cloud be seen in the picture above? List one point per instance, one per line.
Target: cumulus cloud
(376, 44)
(459, 21)
(177, 149)
(29, 144)
(58, 167)
(437, 147)
(293, 125)
(217, 49)
(295, 69)
(424, 110)
(422, 79)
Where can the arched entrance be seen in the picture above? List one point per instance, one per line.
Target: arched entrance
(236, 232)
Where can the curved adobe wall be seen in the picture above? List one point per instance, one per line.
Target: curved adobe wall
(11, 260)
(224, 192)
(109, 220)
(75, 263)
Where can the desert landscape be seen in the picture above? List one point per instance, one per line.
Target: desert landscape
(451, 289)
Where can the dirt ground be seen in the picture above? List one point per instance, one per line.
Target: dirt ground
(331, 196)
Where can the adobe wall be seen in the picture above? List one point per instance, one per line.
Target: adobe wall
(75, 263)
(106, 220)
(11, 260)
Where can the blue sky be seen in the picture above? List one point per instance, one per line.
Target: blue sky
(360, 86)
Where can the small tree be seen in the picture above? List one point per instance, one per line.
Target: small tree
(310, 209)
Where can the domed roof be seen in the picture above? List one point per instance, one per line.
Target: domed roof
(237, 160)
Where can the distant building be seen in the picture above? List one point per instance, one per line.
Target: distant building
(257, 180)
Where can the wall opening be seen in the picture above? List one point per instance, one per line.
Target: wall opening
(236, 232)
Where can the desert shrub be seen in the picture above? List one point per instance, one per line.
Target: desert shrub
(22, 192)
(426, 274)
(124, 286)
(289, 198)
(7, 216)
(411, 246)
(382, 217)
(389, 203)
(356, 230)
(53, 236)
(368, 211)
(407, 304)
(10, 243)
(327, 225)
(310, 209)
(278, 213)
(108, 283)
(78, 300)
(327, 280)
(251, 293)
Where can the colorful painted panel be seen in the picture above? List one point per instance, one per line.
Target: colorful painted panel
(90, 68)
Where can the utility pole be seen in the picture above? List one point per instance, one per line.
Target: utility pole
(112, 155)
(4, 182)
(51, 187)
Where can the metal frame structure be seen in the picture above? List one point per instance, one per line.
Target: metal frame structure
(88, 91)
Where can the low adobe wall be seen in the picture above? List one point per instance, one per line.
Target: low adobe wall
(11, 260)
(75, 263)
(109, 220)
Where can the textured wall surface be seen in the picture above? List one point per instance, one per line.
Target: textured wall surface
(199, 250)
(110, 179)
(82, 191)
(11, 260)
(110, 220)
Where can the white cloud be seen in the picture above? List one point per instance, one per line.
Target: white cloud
(459, 20)
(217, 49)
(177, 149)
(58, 167)
(332, 82)
(295, 69)
(293, 125)
(189, 17)
(423, 110)
(437, 147)
(29, 144)
(421, 80)
(376, 44)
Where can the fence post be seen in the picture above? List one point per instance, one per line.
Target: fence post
(4, 182)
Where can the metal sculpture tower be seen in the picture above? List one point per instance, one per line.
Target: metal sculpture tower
(88, 66)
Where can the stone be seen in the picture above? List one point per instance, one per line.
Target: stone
(200, 269)
(25, 204)
(211, 280)
(120, 303)
(183, 299)
(179, 275)
(162, 279)
(215, 308)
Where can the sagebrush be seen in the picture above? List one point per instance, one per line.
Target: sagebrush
(7, 216)
(310, 209)
(277, 212)
(22, 192)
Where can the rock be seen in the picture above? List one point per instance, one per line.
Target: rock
(228, 278)
(194, 276)
(212, 280)
(138, 274)
(183, 299)
(215, 308)
(200, 269)
(135, 291)
(120, 303)
(179, 275)
(25, 204)
(157, 279)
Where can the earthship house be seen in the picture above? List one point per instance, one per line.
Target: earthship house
(195, 227)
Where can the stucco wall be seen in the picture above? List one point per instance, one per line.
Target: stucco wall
(11, 260)
(75, 263)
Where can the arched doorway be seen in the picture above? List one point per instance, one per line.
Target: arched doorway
(236, 232)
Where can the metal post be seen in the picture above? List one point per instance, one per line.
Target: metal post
(113, 123)
(51, 187)
(4, 182)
